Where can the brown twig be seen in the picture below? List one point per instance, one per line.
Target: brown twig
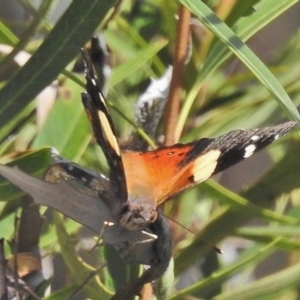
(3, 281)
(146, 292)
(86, 280)
(181, 46)
(15, 253)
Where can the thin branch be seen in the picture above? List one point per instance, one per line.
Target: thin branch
(181, 47)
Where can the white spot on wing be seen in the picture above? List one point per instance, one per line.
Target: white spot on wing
(93, 81)
(102, 99)
(102, 176)
(254, 138)
(276, 137)
(249, 150)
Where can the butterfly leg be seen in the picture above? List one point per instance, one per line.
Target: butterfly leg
(101, 234)
(152, 238)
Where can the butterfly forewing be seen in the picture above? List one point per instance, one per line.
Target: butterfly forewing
(237, 145)
(95, 107)
(167, 171)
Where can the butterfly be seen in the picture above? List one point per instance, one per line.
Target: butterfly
(144, 180)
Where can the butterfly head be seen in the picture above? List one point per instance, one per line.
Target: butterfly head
(137, 216)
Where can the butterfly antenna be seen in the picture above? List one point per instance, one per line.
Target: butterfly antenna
(217, 249)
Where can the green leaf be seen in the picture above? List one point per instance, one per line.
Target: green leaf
(234, 201)
(123, 71)
(75, 27)
(6, 36)
(80, 271)
(34, 163)
(63, 293)
(118, 272)
(165, 284)
(267, 234)
(268, 287)
(232, 42)
(67, 128)
(257, 254)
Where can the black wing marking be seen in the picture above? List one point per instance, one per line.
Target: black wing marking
(233, 147)
(238, 145)
(95, 107)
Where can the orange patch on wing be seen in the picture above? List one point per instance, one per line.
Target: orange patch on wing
(159, 174)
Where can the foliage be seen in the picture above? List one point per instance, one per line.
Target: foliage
(141, 36)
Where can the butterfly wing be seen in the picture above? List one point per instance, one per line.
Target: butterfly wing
(143, 180)
(234, 147)
(167, 171)
(95, 107)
